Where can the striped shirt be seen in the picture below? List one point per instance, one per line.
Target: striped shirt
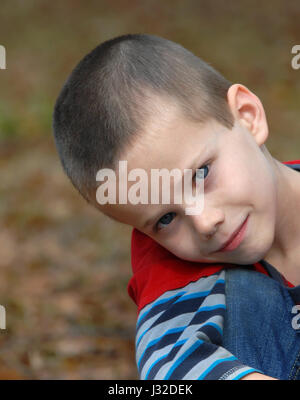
(181, 314)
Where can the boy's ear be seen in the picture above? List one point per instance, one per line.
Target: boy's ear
(248, 110)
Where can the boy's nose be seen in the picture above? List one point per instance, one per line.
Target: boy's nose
(206, 224)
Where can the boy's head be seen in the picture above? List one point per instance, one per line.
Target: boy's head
(112, 94)
(149, 101)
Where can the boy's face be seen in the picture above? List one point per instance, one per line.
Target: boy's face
(239, 182)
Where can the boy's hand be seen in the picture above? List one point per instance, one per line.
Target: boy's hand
(255, 376)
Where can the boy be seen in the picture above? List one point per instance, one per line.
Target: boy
(212, 306)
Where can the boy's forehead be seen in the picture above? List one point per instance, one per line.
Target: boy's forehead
(169, 140)
(164, 118)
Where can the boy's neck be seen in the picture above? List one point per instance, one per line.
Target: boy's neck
(284, 254)
(289, 268)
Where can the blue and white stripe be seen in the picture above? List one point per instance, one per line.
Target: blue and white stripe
(179, 335)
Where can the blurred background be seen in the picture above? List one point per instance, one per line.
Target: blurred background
(64, 267)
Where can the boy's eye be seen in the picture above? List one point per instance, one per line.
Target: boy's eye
(165, 220)
(168, 218)
(205, 175)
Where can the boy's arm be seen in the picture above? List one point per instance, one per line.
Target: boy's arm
(179, 335)
(255, 376)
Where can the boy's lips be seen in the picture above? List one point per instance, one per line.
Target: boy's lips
(236, 238)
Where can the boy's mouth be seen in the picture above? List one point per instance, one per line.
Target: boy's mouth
(236, 238)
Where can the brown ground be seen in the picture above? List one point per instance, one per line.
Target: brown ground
(64, 268)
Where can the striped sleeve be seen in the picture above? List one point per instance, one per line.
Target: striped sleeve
(179, 335)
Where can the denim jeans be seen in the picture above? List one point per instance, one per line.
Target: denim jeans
(258, 327)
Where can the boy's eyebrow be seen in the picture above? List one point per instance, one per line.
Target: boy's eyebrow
(193, 168)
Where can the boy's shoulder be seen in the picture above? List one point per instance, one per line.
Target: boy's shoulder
(157, 271)
(295, 164)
